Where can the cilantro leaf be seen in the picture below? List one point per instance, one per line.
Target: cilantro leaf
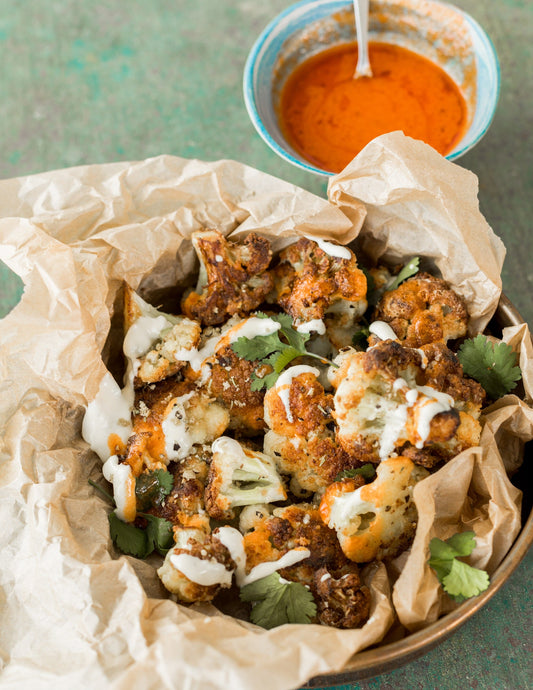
(128, 538)
(458, 579)
(151, 487)
(492, 365)
(271, 350)
(276, 602)
(464, 581)
(367, 471)
(159, 533)
(410, 269)
(360, 338)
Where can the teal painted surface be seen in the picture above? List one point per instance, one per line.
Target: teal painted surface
(128, 79)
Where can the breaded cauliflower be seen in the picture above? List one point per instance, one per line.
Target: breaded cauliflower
(301, 437)
(197, 567)
(310, 284)
(170, 419)
(423, 309)
(239, 477)
(377, 520)
(300, 526)
(233, 277)
(384, 406)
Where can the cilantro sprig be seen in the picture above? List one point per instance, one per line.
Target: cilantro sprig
(270, 349)
(158, 534)
(460, 580)
(276, 602)
(367, 471)
(410, 269)
(492, 365)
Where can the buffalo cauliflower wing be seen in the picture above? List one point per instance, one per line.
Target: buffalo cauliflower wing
(422, 310)
(345, 601)
(233, 277)
(239, 477)
(197, 566)
(170, 420)
(301, 438)
(376, 520)
(385, 405)
(310, 284)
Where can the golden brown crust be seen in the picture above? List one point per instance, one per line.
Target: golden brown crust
(422, 310)
(237, 278)
(308, 281)
(231, 380)
(342, 600)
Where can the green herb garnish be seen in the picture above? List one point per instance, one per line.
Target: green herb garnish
(460, 580)
(270, 349)
(492, 365)
(276, 602)
(367, 471)
(410, 269)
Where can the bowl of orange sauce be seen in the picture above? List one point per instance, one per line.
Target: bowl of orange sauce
(435, 77)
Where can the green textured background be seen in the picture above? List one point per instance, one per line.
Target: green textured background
(128, 79)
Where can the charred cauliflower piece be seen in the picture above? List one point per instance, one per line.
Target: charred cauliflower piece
(383, 405)
(309, 284)
(184, 506)
(171, 419)
(377, 520)
(197, 567)
(233, 277)
(301, 527)
(301, 438)
(156, 341)
(239, 477)
(422, 310)
(230, 384)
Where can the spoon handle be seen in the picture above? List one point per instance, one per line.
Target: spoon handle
(360, 8)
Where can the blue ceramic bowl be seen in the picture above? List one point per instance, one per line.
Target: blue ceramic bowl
(438, 31)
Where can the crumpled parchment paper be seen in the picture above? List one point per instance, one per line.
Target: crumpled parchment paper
(75, 613)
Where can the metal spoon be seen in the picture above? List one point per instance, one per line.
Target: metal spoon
(360, 8)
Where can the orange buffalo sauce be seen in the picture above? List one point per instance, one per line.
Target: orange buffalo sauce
(328, 116)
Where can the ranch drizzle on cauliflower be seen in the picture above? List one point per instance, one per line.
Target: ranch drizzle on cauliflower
(247, 423)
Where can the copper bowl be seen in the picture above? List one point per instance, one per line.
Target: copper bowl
(380, 659)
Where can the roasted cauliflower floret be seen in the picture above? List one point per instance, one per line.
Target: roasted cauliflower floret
(309, 284)
(301, 437)
(156, 343)
(301, 527)
(170, 419)
(377, 520)
(184, 506)
(230, 384)
(422, 310)
(233, 277)
(239, 477)
(342, 599)
(197, 567)
(384, 406)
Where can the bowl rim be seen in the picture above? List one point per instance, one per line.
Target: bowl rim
(250, 100)
(377, 660)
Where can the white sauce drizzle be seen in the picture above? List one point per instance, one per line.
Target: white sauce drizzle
(109, 413)
(439, 402)
(178, 439)
(283, 385)
(265, 569)
(382, 330)
(331, 249)
(118, 474)
(203, 572)
(346, 506)
(232, 539)
(316, 325)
